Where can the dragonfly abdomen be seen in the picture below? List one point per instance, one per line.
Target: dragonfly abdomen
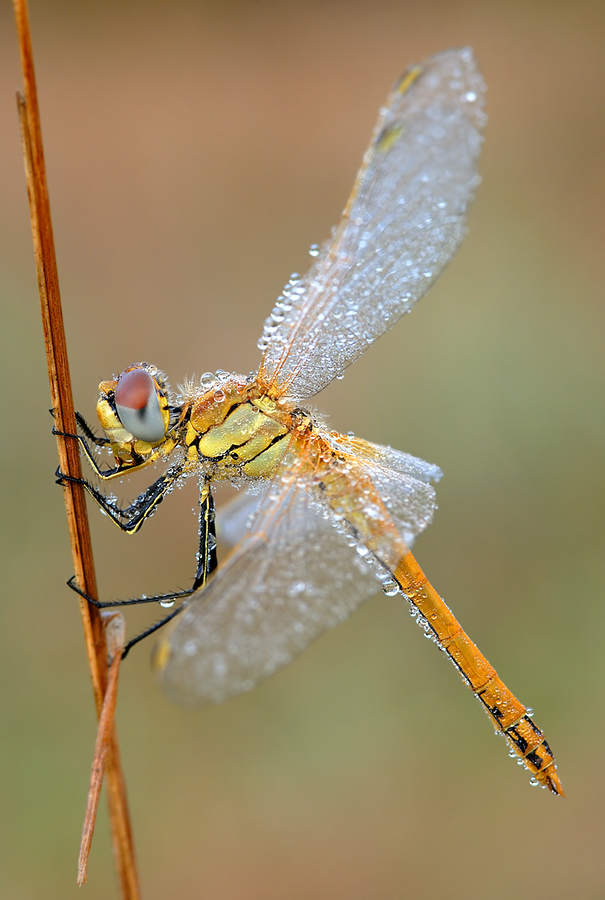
(372, 526)
(507, 713)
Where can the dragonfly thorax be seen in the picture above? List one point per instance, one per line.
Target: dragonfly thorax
(230, 427)
(236, 429)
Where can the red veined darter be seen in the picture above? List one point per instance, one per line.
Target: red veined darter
(333, 516)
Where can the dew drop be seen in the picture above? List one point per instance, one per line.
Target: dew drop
(390, 588)
(297, 587)
(167, 603)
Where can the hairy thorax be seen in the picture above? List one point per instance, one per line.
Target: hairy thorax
(235, 429)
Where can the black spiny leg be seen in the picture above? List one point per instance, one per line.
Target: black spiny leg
(83, 424)
(103, 442)
(207, 563)
(130, 518)
(88, 431)
(206, 557)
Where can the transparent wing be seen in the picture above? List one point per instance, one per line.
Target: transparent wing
(402, 225)
(403, 482)
(292, 578)
(234, 519)
(294, 575)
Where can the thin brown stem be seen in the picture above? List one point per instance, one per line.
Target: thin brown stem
(115, 630)
(69, 459)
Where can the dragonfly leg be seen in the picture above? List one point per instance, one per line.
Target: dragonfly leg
(206, 564)
(206, 561)
(104, 474)
(103, 442)
(85, 427)
(129, 518)
(133, 601)
(89, 433)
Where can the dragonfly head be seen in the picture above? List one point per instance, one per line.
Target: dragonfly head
(134, 413)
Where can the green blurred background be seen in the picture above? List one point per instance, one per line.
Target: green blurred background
(195, 151)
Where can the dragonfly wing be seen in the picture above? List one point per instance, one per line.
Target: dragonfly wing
(402, 225)
(403, 482)
(292, 577)
(234, 519)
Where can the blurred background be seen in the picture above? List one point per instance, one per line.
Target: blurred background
(195, 151)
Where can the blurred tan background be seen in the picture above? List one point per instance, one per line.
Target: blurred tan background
(195, 151)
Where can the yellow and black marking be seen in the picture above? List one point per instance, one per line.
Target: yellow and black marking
(409, 78)
(530, 745)
(388, 137)
(206, 558)
(249, 435)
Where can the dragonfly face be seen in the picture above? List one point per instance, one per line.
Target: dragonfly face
(337, 513)
(134, 414)
(227, 429)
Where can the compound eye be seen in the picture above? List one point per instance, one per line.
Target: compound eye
(138, 406)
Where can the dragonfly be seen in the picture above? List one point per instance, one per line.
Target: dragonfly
(323, 519)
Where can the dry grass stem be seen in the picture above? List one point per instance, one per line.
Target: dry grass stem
(115, 629)
(69, 458)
